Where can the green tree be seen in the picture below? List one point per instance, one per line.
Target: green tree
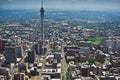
(119, 70)
(63, 78)
(68, 76)
(92, 60)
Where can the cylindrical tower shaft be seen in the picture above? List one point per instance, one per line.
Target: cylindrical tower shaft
(42, 25)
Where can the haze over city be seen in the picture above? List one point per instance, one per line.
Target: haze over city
(59, 40)
(62, 4)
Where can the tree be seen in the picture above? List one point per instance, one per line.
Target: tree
(63, 78)
(119, 70)
(68, 76)
(92, 60)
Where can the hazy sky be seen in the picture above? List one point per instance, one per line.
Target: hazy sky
(62, 4)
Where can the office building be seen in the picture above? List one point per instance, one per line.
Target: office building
(19, 51)
(19, 76)
(12, 52)
(31, 56)
(57, 56)
(2, 45)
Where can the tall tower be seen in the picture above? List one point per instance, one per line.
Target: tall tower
(42, 24)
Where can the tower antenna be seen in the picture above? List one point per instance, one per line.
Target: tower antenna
(42, 4)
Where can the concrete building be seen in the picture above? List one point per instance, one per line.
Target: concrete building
(12, 67)
(38, 48)
(31, 56)
(2, 45)
(85, 51)
(33, 37)
(5, 72)
(3, 78)
(19, 76)
(85, 70)
(85, 44)
(12, 52)
(19, 51)
(23, 67)
(110, 45)
(53, 73)
(113, 45)
(57, 56)
(100, 55)
(107, 78)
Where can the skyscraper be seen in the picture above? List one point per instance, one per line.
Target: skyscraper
(31, 56)
(12, 52)
(42, 24)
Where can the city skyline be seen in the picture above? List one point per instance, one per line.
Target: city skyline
(62, 4)
(59, 40)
